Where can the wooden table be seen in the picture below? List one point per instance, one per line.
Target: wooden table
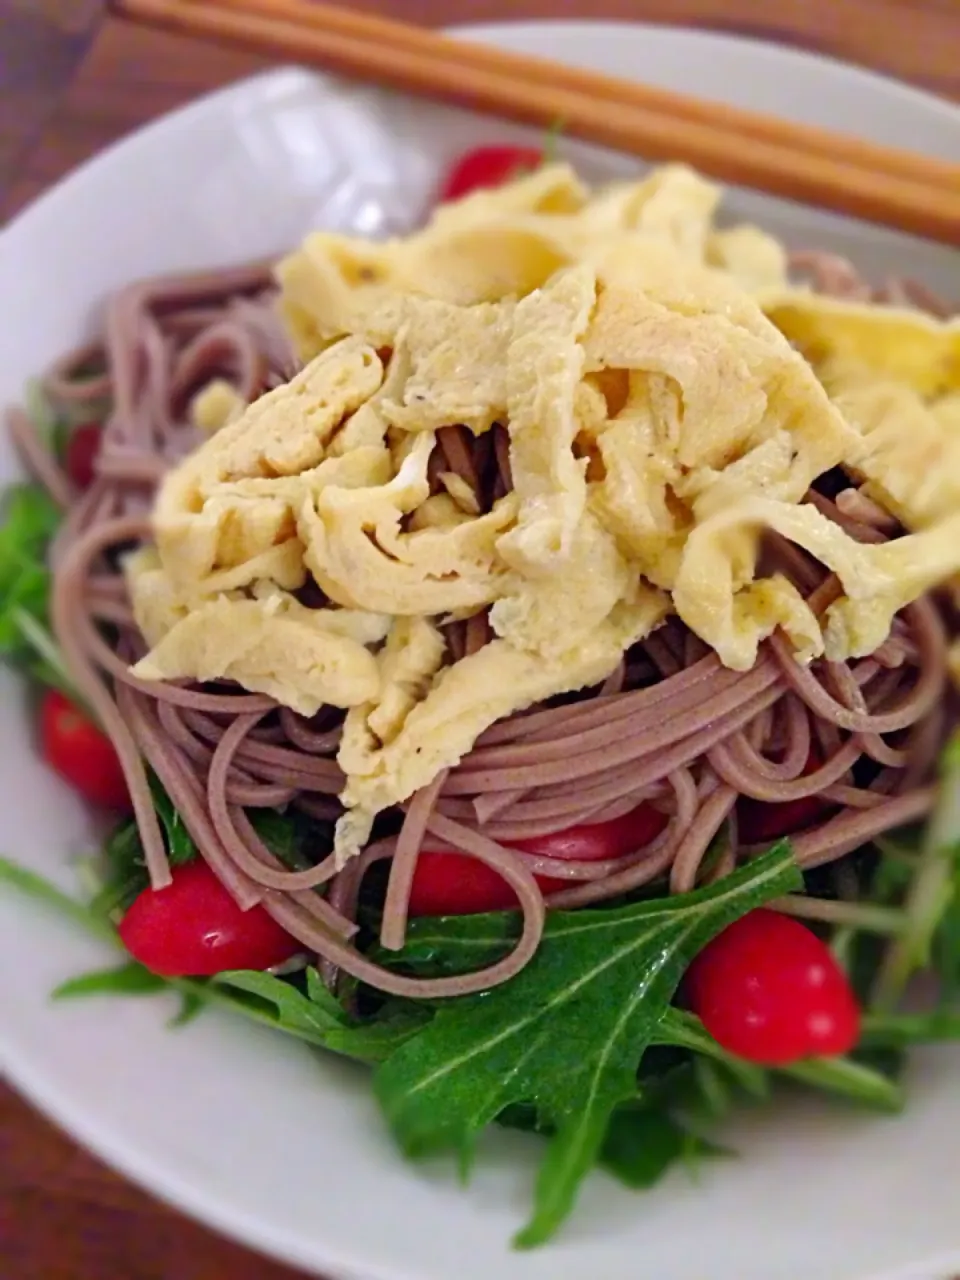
(63, 1216)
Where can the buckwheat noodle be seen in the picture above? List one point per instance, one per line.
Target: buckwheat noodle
(670, 727)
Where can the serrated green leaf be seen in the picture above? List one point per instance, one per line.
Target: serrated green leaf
(284, 1005)
(715, 1090)
(642, 1145)
(850, 1079)
(567, 1033)
(35, 886)
(376, 1040)
(685, 1031)
(25, 598)
(28, 520)
(179, 842)
(315, 1017)
(42, 658)
(441, 946)
(643, 1141)
(321, 995)
(857, 1080)
(899, 1030)
(123, 866)
(191, 1006)
(282, 835)
(129, 979)
(929, 929)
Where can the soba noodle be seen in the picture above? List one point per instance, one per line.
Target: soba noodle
(671, 727)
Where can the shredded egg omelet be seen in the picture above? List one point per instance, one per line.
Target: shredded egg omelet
(666, 396)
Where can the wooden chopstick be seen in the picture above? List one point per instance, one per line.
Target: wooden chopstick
(620, 93)
(895, 188)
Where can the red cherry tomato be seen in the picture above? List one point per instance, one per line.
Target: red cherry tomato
(81, 454)
(81, 753)
(193, 928)
(761, 823)
(453, 884)
(488, 167)
(597, 841)
(768, 989)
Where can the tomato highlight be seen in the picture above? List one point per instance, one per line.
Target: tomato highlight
(454, 884)
(768, 989)
(490, 166)
(81, 753)
(194, 928)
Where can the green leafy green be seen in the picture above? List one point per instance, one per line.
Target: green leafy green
(121, 870)
(278, 1002)
(281, 834)
(847, 1077)
(683, 1030)
(312, 1015)
(45, 663)
(35, 886)
(931, 926)
(296, 839)
(179, 842)
(715, 1089)
(191, 1006)
(375, 1040)
(642, 1144)
(899, 1030)
(123, 867)
(28, 520)
(25, 596)
(583, 1047)
(567, 1034)
(644, 1138)
(442, 946)
(129, 979)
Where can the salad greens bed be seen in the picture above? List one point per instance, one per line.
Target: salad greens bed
(585, 1046)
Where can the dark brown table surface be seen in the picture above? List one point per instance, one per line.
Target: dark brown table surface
(63, 1216)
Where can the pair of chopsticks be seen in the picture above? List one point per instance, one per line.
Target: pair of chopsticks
(834, 171)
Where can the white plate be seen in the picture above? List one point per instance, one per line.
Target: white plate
(245, 1130)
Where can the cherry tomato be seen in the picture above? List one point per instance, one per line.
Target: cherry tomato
(770, 990)
(762, 823)
(81, 454)
(453, 884)
(81, 753)
(488, 167)
(597, 841)
(193, 928)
